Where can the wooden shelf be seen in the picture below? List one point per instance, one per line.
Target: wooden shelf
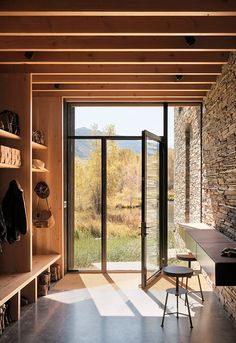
(6, 134)
(10, 284)
(11, 166)
(37, 146)
(44, 170)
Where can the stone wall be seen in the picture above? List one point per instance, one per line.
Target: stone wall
(219, 164)
(187, 185)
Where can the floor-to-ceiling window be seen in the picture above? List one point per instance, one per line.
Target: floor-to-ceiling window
(105, 172)
(104, 147)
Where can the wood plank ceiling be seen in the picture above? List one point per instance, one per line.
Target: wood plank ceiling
(109, 50)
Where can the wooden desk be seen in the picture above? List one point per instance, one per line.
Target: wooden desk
(206, 245)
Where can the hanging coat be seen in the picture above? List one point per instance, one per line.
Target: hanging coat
(13, 207)
(3, 228)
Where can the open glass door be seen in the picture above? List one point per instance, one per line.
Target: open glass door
(150, 226)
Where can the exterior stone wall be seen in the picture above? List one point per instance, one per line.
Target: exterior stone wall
(219, 164)
(187, 177)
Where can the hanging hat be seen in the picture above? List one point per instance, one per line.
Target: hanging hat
(42, 190)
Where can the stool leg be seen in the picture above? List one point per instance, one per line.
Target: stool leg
(186, 289)
(190, 319)
(186, 283)
(200, 286)
(182, 283)
(177, 295)
(177, 303)
(162, 323)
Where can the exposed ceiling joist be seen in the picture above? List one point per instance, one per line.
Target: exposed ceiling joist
(115, 58)
(108, 7)
(122, 79)
(117, 26)
(141, 44)
(197, 95)
(146, 51)
(121, 97)
(88, 69)
(122, 86)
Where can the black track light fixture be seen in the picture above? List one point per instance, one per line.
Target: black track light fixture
(29, 55)
(190, 40)
(179, 77)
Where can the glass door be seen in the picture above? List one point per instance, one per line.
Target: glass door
(123, 189)
(150, 226)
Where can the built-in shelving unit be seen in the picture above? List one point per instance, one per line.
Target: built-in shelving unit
(14, 284)
(6, 134)
(22, 262)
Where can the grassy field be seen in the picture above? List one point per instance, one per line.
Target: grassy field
(88, 251)
(123, 239)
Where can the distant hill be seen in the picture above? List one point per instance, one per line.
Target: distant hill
(83, 147)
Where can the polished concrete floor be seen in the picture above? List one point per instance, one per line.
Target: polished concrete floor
(96, 308)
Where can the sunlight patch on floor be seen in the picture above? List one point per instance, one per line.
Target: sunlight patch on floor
(105, 297)
(70, 296)
(119, 294)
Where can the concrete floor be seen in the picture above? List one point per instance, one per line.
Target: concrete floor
(96, 308)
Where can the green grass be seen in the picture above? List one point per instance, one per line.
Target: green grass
(123, 239)
(87, 251)
(120, 249)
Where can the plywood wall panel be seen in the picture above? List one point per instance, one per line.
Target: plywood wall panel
(47, 116)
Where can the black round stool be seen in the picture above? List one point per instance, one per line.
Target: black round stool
(188, 257)
(177, 272)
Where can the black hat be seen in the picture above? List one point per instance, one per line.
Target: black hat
(42, 190)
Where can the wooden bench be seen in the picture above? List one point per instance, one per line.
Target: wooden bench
(206, 245)
(12, 286)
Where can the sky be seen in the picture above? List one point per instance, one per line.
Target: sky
(128, 121)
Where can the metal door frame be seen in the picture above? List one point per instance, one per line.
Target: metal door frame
(70, 181)
(68, 111)
(145, 135)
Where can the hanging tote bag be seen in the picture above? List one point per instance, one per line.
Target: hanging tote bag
(42, 215)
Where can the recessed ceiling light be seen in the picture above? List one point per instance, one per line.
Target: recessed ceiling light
(190, 40)
(179, 77)
(29, 55)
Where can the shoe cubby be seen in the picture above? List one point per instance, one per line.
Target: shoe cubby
(22, 261)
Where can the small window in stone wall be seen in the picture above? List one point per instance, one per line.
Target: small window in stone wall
(188, 134)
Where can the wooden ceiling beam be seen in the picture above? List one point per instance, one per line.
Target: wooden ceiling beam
(121, 79)
(129, 97)
(115, 58)
(127, 92)
(122, 86)
(115, 69)
(109, 7)
(92, 44)
(118, 26)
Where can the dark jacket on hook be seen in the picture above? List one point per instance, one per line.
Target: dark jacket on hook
(3, 228)
(13, 207)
